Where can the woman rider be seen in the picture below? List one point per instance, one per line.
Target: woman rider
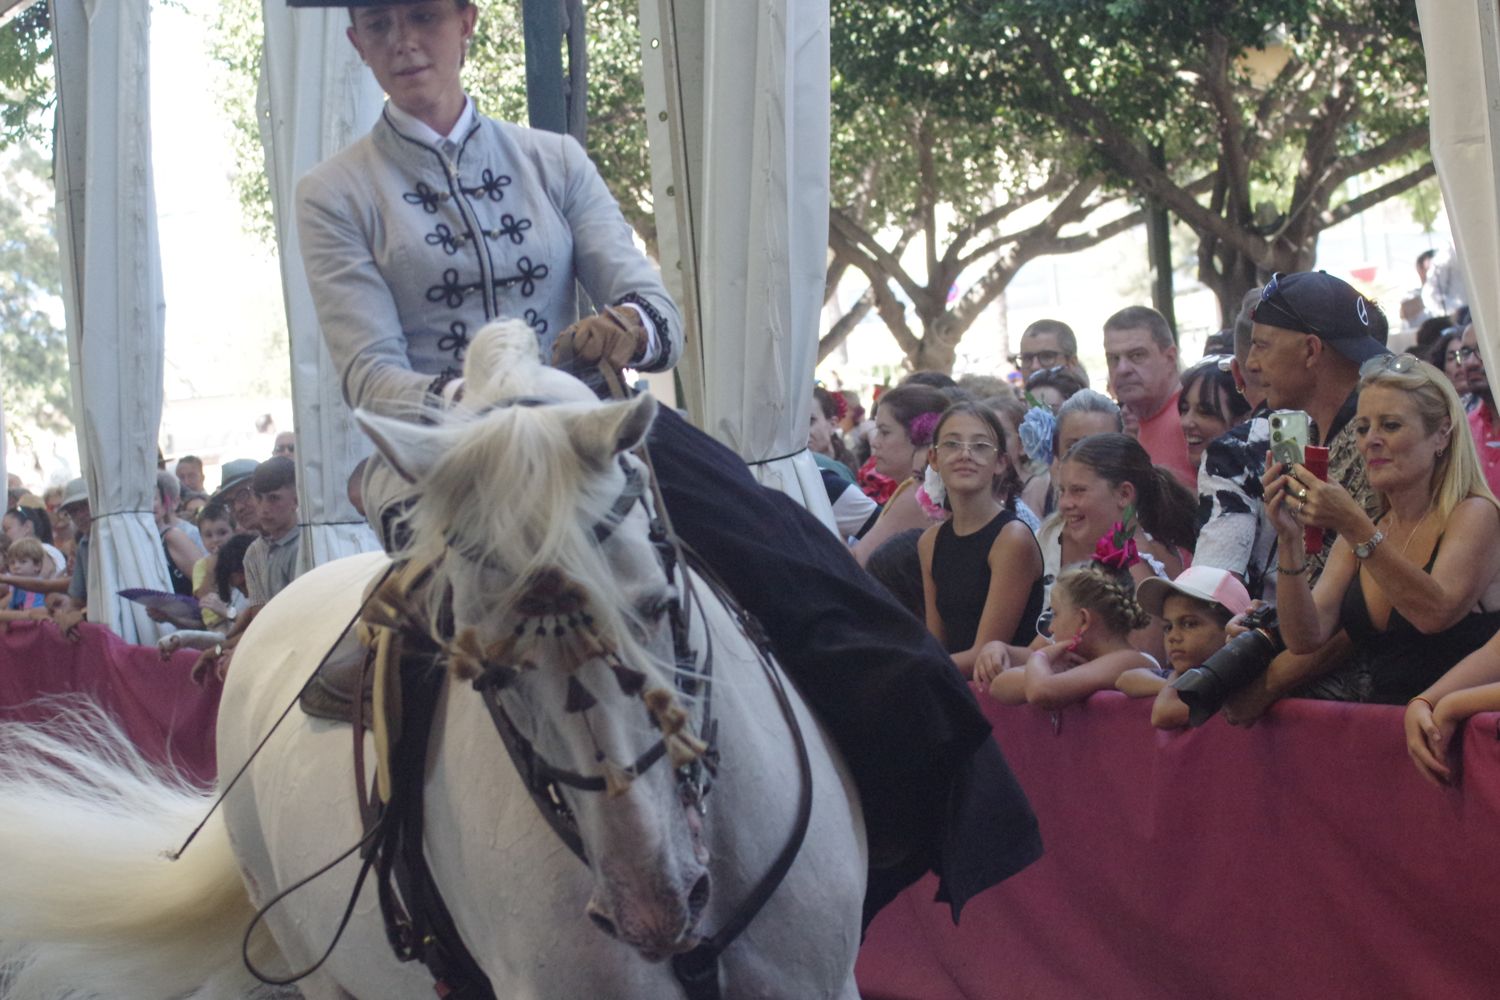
(441, 220)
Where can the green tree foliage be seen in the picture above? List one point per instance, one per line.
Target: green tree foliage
(33, 347)
(27, 92)
(1282, 103)
(922, 160)
(235, 43)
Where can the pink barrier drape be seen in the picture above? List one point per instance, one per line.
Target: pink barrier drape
(1304, 857)
(165, 714)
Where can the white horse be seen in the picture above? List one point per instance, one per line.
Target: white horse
(509, 495)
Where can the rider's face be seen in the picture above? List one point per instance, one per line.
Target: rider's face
(415, 51)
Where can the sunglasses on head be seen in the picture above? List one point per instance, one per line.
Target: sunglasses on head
(1380, 363)
(1273, 294)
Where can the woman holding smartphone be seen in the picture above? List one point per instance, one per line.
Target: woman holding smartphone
(1412, 605)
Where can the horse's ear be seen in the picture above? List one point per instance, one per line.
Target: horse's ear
(600, 433)
(407, 446)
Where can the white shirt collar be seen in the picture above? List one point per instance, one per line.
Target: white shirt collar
(421, 131)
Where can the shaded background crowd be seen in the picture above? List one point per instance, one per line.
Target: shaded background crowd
(227, 552)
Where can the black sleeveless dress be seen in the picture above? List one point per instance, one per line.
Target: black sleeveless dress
(1401, 661)
(961, 574)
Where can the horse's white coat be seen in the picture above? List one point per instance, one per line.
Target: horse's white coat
(515, 891)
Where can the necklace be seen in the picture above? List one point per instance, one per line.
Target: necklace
(1425, 515)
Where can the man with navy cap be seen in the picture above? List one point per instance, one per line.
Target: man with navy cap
(1311, 333)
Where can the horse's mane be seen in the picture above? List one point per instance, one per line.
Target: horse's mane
(510, 491)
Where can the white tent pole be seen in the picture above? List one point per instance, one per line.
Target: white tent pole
(753, 141)
(316, 97)
(1462, 43)
(113, 279)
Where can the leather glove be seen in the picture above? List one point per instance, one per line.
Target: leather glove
(616, 337)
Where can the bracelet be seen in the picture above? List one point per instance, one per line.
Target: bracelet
(1292, 572)
(1430, 706)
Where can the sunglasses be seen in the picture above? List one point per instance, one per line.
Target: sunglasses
(1273, 294)
(1380, 363)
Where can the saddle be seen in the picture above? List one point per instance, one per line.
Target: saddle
(359, 681)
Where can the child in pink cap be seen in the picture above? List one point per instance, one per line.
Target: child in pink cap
(1195, 607)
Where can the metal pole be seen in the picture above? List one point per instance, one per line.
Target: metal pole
(546, 102)
(1159, 248)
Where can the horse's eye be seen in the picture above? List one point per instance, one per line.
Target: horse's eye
(655, 607)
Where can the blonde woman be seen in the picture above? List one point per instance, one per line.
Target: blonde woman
(1418, 587)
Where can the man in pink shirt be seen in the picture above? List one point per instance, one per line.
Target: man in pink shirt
(1141, 354)
(1484, 422)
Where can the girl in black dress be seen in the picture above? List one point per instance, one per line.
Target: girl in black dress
(981, 568)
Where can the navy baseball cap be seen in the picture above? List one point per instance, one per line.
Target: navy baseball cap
(1329, 308)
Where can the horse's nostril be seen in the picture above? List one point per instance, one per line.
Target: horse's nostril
(698, 897)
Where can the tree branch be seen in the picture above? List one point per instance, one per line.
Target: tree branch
(1375, 196)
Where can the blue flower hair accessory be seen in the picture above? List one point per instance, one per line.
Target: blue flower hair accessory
(1037, 432)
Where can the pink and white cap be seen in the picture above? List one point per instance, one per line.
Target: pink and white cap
(1206, 583)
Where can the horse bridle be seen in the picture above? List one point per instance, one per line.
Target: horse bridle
(545, 780)
(424, 930)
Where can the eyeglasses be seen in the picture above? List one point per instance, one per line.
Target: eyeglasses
(1273, 287)
(1398, 363)
(1027, 358)
(981, 450)
(1462, 354)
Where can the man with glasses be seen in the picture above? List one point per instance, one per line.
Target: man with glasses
(1484, 423)
(1048, 343)
(1311, 333)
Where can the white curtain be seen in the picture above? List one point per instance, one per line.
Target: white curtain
(1462, 42)
(112, 291)
(737, 100)
(316, 97)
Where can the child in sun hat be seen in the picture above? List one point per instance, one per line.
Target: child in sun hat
(1195, 607)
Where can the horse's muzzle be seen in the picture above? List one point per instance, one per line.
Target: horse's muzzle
(669, 927)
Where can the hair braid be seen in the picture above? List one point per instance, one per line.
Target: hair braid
(1109, 595)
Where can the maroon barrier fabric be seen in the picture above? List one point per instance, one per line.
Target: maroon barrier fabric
(1304, 857)
(165, 714)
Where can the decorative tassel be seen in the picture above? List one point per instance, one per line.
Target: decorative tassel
(578, 699)
(632, 682)
(616, 779)
(684, 748)
(466, 656)
(662, 704)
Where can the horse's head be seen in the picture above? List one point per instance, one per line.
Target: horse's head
(549, 593)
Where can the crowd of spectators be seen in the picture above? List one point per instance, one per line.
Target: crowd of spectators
(224, 553)
(1057, 539)
(1061, 541)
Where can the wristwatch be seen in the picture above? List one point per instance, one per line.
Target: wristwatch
(1363, 549)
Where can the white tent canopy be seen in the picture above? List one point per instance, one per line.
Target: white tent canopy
(316, 97)
(1462, 43)
(112, 292)
(737, 102)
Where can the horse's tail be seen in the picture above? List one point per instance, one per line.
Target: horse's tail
(91, 904)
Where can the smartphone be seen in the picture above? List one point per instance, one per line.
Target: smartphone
(1291, 432)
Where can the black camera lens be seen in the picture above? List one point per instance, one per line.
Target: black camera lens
(1204, 688)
